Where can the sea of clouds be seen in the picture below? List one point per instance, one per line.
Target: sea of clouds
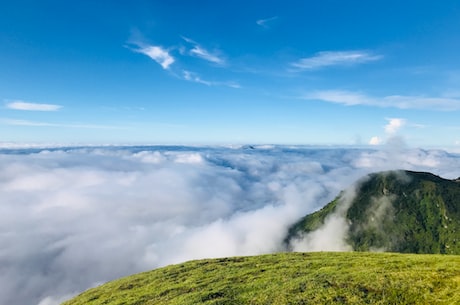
(72, 218)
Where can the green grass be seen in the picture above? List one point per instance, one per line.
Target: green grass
(291, 278)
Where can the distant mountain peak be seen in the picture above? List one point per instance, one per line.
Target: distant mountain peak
(392, 211)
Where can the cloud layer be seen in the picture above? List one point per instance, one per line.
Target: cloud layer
(102, 213)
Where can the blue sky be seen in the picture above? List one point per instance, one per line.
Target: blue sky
(224, 72)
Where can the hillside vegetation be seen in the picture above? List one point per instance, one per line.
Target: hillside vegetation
(290, 278)
(395, 211)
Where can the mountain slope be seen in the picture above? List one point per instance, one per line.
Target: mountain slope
(395, 211)
(290, 278)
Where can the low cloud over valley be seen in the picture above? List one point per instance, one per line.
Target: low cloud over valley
(73, 218)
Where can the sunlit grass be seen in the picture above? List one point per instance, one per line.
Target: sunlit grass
(291, 278)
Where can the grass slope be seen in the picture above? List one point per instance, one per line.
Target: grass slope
(290, 278)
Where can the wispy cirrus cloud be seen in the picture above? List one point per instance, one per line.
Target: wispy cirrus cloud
(26, 106)
(200, 52)
(17, 122)
(264, 22)
(194, 77)
(204, 54)
(335, 58)
(163, 57)
(350, 98)
(157, 53)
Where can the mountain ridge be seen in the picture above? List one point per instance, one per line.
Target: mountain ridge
(396, 211)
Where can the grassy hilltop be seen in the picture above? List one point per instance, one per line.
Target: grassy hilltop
(290, 278)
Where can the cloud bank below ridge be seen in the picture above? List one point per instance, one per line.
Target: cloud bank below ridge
(102, 213)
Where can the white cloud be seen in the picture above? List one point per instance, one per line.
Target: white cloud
(139, 208)
(158, 54)
(165, 59)
(394, 125)
(340, 97)
(21, 105)
(375, 141)
(350, 98)
(55, 301)
(264, 22)
(335, 58)
(199, 51)
(391, 129)
(331, 236)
